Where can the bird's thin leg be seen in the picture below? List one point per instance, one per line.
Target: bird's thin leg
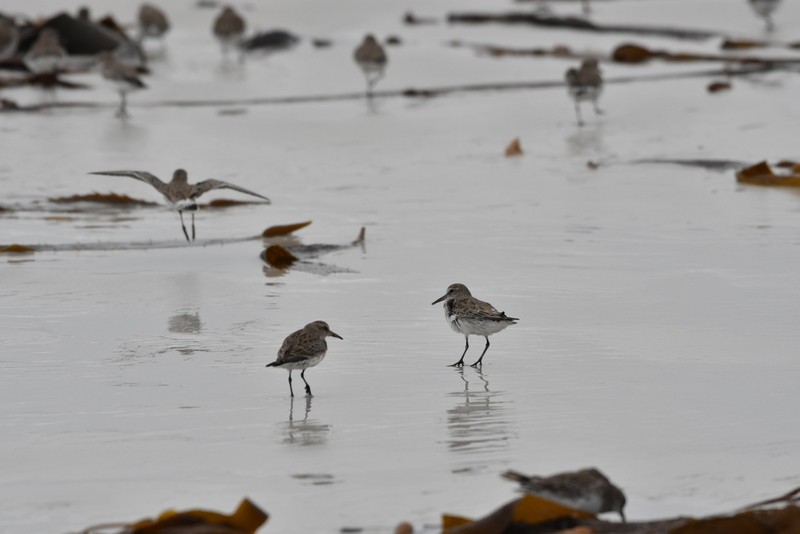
(622, 515)
(770, 23)
(478, 363)
(291, 392)
(578, 113)
(597, 110)
(460, 363)
(308, 388)
(122, 112)
(189, 240)
(192, 226)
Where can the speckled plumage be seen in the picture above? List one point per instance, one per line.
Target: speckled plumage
(587, 489)
(371, 57)
(179, 192)
(470, 316)
(303, 349)
(152, 22)
(585, 83)
(229, 28)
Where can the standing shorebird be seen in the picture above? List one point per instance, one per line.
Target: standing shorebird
(303, 349)
(46, 55)
(229, 29)
(588, 490)
(179, 193)
(764, 9)
(124, 79)
(585, 83)
(469, 316)
(371, 57)
(152, 22)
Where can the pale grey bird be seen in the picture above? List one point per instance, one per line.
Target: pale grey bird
(588, 490)
(179, 193)
(371, 57)
(468, 316)
(764, 9)
(229, 28)
(585, 83)
(123, 78)
(303, 349)
(152, 22)
(46, 55)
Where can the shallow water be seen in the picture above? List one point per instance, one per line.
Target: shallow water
(657, 338)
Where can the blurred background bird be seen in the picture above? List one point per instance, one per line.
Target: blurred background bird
(585, 83)
(371, 57)
(229, 28)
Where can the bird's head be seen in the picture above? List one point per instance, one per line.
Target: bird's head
(322, 328)
(454, 291)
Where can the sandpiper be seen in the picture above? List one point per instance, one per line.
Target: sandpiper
(46, 54)
(764, 9)
(229, 29)
(124, 78)
(152, 22)
(588, 490)
(179, 193)
(371, 57)
(470, 316)
(585, 83)
(9, 38)
(303, 349)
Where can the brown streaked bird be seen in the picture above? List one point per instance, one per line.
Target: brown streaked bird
(303, 349)
(371, 57)
(764, 9)
(229, 29)
(179, 193)
(46, 55)
(124, 79)
(588, 490)
(152, 22)
(468, 316)
(585, 83)
(9, 38)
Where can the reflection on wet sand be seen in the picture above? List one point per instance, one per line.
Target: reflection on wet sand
(585, 141)
(306, 431)
(478, 424)
(185, 323)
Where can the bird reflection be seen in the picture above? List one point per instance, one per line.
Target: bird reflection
(306, 431)
(185, 323)
(586, 141)
(477, 425)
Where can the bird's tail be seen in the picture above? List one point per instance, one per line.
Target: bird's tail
(505, 317)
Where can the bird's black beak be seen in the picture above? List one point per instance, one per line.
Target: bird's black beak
(334, 334)
(440, 299)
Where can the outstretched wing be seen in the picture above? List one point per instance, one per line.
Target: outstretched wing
(142, 176)
(208, 185)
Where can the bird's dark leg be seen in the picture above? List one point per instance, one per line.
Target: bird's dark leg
(578, 113)
(189, 240)
(622, 515)
(122, 112)
(597, 110)
(460, 363)
(192, 226)
(478, 363)
(308, 388)
(291, 392)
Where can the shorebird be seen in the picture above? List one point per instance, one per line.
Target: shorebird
(46, 54)
(585, 83)
(152, 22)
(371, 57)
(588, 490)
(764, 9)
(469, 316)
(124, 78)
(303, 349)
(9, 38)
(229, 29)
(179, 193)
